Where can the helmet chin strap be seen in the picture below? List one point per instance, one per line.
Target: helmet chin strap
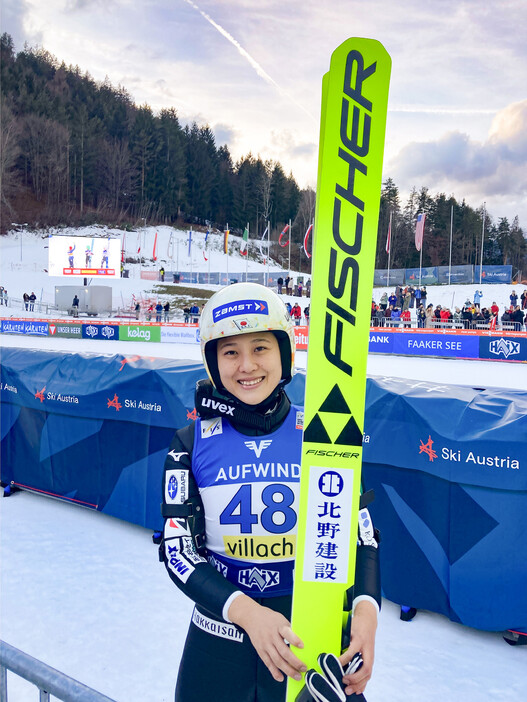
(211, 403)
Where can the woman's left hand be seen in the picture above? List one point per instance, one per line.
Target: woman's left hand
(363, 629)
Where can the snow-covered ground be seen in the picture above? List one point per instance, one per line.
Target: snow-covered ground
(85, 593)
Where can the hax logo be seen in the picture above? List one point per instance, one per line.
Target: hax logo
(115, 402)
(259, 446)
(507, 347)
(427, 448)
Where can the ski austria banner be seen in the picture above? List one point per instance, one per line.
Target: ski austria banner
(449, 469)
(353, 120)
(447, 464)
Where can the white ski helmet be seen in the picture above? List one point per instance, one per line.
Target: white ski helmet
(245, 308)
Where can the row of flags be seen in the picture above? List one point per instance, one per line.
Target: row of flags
(419, 232)
(243, 247)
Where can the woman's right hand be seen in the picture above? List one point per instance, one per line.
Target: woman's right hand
(269, 631)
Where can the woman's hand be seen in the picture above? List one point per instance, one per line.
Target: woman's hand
(267, 630)
(363, 628)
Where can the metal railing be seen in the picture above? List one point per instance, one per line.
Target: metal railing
(48, 680)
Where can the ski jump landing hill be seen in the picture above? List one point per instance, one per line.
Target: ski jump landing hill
(448, 465)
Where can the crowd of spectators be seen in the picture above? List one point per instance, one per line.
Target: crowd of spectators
(395, 310)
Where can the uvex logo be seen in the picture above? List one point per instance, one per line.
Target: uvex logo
(220, 407)
(355, 127)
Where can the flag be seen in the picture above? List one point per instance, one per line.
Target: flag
(419, 231)
(225, 241)
(138, 242)
(206, 259)
(243, 246)
(389, 237)
(306, 237)
(155, 245)
(123, 247)
(190, 242)
(260, 242)
(207, 235)
(283, 233)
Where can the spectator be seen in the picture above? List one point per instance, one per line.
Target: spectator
(6, 297)
(437, 316)
(279, 284)
(159, 310)
(430, 317)
(296, 313)
(299, 288)
(523, 299)
(379, 318)
(26, 301)
(396, 316)
(399, 296)
(392, 300)
(406, 318)
(466, 315)
(494, 309)
(162, 274)
(513, 298)
(166, 311)
(137, 310)
(417, 295)
(149, 312)
(388, 314)
(75, 306)
(384, 301)
(288, 307)
(407, 299)
(2, 295)
(32, 299)
(446, 317)
(506, 317)
(287, 281)
(306, 313)
(423, 295)
(477, 298)
(186, 315)
(194, 313)
(457, 317)
(421, 316)
(411, 290)
(517, 317)
(308, 287)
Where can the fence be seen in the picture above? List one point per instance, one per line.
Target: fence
(48, 680)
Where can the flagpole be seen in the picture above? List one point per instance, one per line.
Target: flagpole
(450, 256)
(482, 242)
(227, 253)
(289, 263)
(268, 249)
(247, 253)
(190, 251)
(389, 247)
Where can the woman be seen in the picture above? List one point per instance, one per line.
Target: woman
(230, 524)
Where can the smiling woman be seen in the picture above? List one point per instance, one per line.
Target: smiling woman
(231, 490)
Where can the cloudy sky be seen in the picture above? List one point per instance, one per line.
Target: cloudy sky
(252, 70)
